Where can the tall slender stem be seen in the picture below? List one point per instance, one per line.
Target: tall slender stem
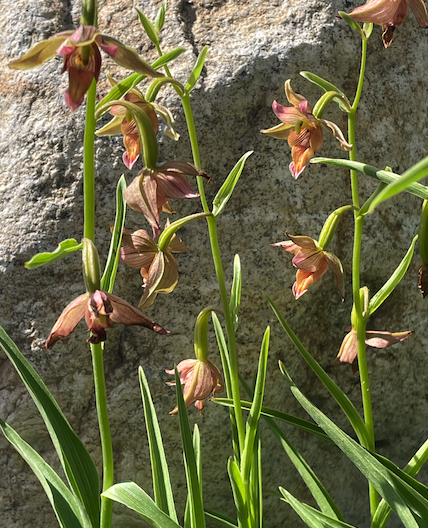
(361, 320)
(89, 165)
(215, 248)
(103, 422)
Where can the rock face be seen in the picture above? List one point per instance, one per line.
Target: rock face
(254, 47)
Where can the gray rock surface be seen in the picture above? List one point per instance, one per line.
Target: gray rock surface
(254, 47)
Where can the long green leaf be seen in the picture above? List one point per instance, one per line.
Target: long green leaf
(409, 505)
(311, 516)
(235, 294)
(220, 519)
(226, 190)
(382, 175)
(341, 398)
(160, 474)
(305, 425)
(256, 407)
(194, 487)
(412, 175)
(412, 468)
(132, 496)
(256, 484)
(76, 462)
(64, 248)
(68, 510)
(318, 491)
(123, 87)
(109, 275)
(196, 72)
(238, 490)
(392, 282)
(148, 27)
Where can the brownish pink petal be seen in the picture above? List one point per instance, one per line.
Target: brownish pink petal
(68, 320)
(349, 348)
(141, 196)
(385, 339)
(376, 11)
(294, 98)
(419, 9)
(336, 266)
(40, 53)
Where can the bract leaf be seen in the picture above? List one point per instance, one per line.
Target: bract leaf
(148, 28)
(132, 496)
(160, 17)
(64, 248)
(235, 293)
(226, 190)
(327, 87)
(392, 282)
(352, 24)
(196, 72)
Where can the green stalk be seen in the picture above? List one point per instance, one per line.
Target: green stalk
(360, 317)
(106, 443)
(89, 165)
(215, 249)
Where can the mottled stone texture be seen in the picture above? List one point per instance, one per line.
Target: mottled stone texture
(254, 47)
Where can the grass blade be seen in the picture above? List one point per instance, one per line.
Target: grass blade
(160, 474)
(220, 519)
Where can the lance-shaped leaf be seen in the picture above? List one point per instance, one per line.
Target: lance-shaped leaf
(312, 517)
(238, 490)
(327, 87)
(75, 460)
(160, 17)
(235, 293)
(352, 24)
(109, 275)
(382, 175)
(226, 190)
(68, 509)
(196, 72)
(392, 282)
(409, 505)
(64, 248)
(132, 496)
(148, 27)
(160, 474)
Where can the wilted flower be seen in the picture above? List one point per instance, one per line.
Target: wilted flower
(100, 310)
(200, 379)
(348, 350)
(120, 124)
(311, 263)
(158, 268)
(302, 130)
(152, 188)
(82, 59)
(389, 14)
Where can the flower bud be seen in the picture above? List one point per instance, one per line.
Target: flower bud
(91, 266)
(330, 226)
(201, 333)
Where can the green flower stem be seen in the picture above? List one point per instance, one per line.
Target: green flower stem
(360, 317)
(215, 248)
(89, 165)
(103, 422)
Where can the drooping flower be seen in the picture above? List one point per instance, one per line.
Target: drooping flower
(128, 128)
(158, 268)
(311, 262)
(389, 14)
(100, 310)
(302, 130)
(200, 379)
(150, 191)
(82, 59)
(348, 350)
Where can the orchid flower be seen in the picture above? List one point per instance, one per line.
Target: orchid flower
(302, 130)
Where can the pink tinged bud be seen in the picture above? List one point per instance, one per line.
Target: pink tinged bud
(100, 310)
(200, 379)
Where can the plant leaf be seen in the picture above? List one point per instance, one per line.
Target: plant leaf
(235, 293)
(254, 416)
(392, 282)
(76, 462)
(109, 275)
(225, 191)
(64, 248)
(148, 27)
(160, 17)
(406, 502)
(160, 474)
(194, 488)
(238, 490)
(68, 510)
(196, 72)
(220, 519)
(132, 496)
(311, 516)
(382, 175)
(327, 87)
(341, 398)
